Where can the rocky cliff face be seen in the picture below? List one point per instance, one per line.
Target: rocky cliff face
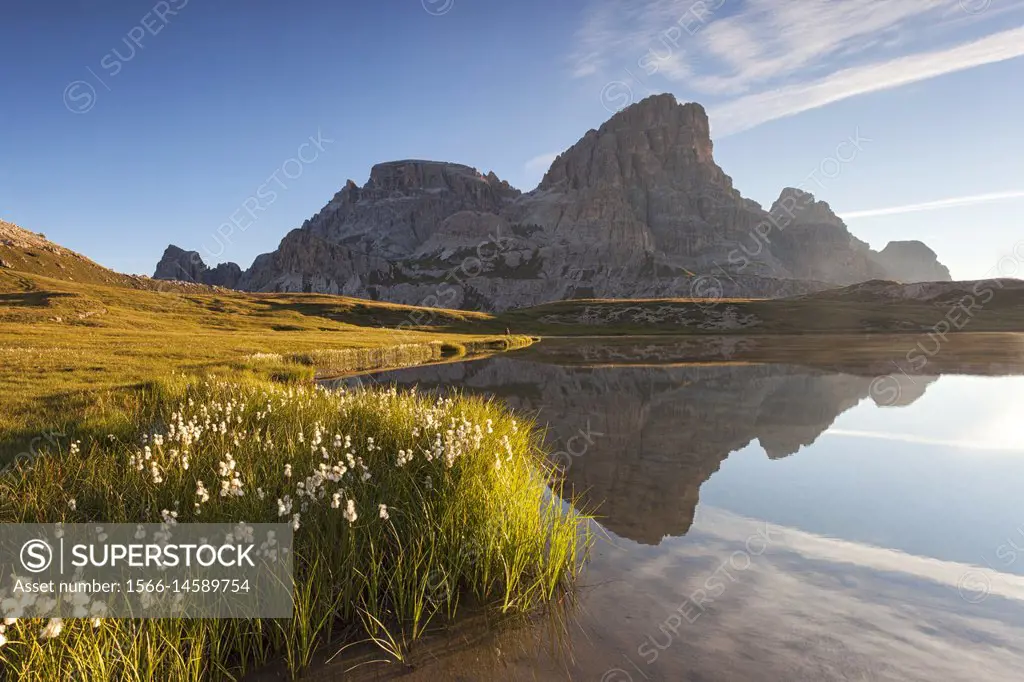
(645, 185)
(636, 208)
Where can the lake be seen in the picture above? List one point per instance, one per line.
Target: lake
(768, 510)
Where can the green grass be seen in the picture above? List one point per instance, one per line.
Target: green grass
(471, 516)
(69, 349)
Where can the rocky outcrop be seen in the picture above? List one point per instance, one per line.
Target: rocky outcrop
(636, 208)
(912, 261)
(188, 266)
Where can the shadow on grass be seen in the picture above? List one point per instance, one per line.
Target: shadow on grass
(37, 299)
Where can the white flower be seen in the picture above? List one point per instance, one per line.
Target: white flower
(202, 494)
(96, 622)
(295, 522)
(154, 471)
(52, 629)
(72, 504)
(384, 512)
(284, 506)
(350, 512)
(287, 470)
(336, 501)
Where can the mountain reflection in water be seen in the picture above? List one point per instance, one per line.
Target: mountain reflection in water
(884, 551)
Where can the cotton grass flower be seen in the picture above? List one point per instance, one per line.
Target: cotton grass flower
(53, 629)
(284, 506)
(384, 512)
(350, 512)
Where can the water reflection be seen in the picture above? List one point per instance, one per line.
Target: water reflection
(834, 530)
(637, 442)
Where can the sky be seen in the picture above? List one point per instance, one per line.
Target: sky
(127, 126)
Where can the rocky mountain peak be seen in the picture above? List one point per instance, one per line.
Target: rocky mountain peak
(661, 111)
(188, 266)
(657, 138)
(913, 261)
(414, 176)
(179, 264)
(812, 242)
(797, 206)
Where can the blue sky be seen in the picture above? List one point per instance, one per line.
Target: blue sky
(129, 125)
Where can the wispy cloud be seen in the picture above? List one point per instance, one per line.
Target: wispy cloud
(752, 110)
(759, 60)
(935, 205)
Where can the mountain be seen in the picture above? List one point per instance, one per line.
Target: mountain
(635, 209)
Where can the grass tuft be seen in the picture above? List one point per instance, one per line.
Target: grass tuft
(469, 514)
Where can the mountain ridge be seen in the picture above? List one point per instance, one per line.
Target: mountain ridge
(637, 208)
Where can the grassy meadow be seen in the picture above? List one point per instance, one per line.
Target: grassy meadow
(70, 349)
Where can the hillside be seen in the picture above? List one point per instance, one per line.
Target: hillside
(70, 330)
(32, 253)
